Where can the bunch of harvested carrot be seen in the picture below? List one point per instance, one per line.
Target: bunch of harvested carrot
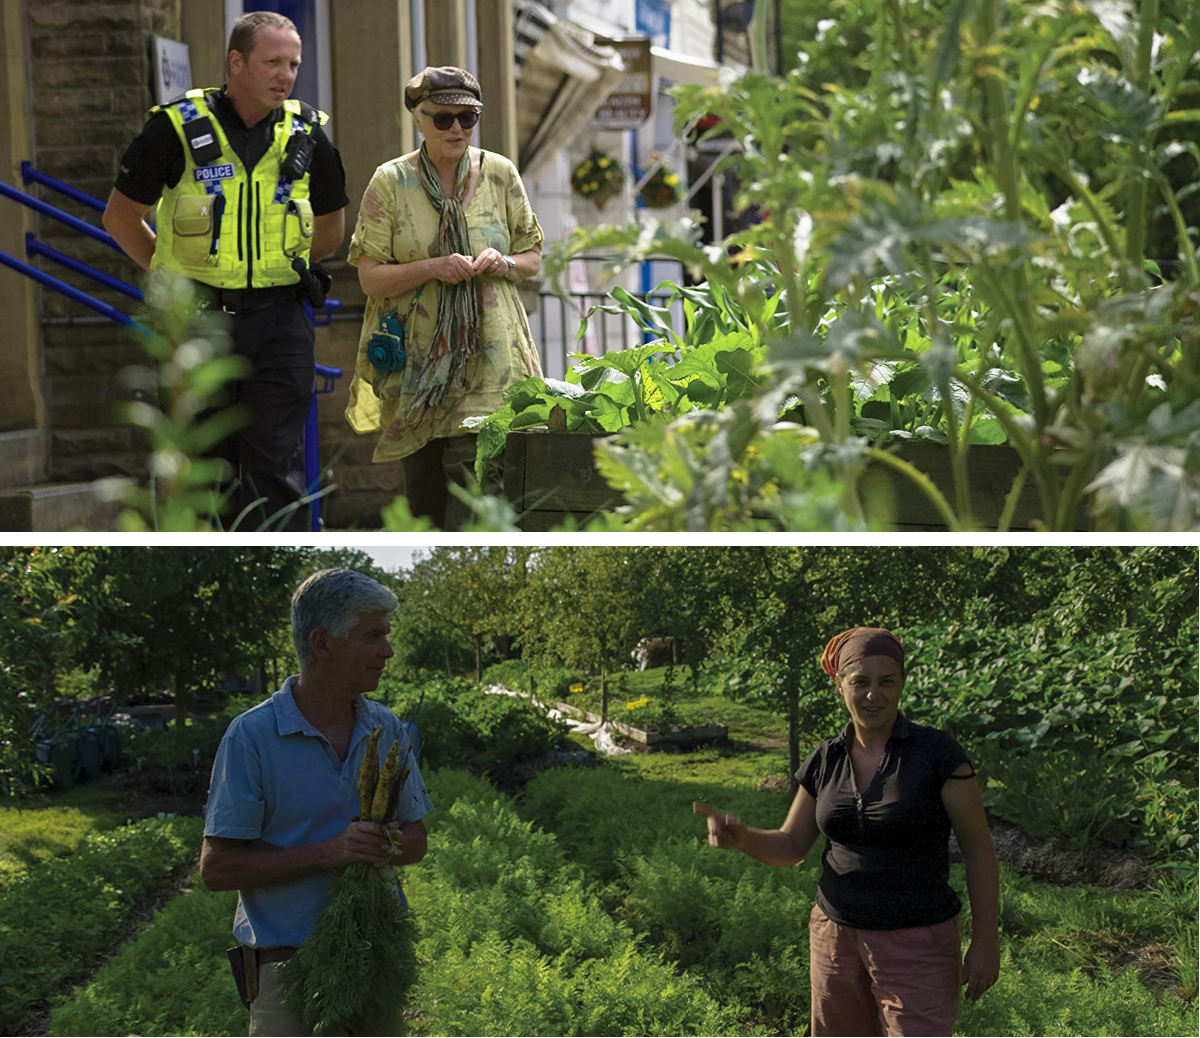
(353, 974)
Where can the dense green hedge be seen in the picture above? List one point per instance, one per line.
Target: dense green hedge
(171, 747)
(463, 726)
(55, 919)
(1090, 740)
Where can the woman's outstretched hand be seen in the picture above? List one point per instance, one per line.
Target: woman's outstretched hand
(725, 831)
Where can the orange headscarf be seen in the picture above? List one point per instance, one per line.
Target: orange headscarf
(852, 645)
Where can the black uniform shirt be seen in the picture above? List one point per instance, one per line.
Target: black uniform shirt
(886, 864)
(155, 160)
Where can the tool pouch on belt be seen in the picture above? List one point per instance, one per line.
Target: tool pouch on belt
(244, 962)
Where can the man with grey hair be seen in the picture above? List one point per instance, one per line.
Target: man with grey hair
(284, 787)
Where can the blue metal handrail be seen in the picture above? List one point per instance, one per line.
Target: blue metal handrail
(71, 292)
(30, 175)
(46, 209)
(33, 247)
(312, 461)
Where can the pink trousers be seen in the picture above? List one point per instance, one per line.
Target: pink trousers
(883, 982)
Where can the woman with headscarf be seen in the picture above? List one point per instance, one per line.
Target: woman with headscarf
(883, 935)
(444, 235)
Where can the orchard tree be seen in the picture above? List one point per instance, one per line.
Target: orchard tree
(468, 591)
(42, 624)
(179, 619)
(580, 609)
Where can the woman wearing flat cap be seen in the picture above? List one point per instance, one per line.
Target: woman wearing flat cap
(444, 236)
(883, 935)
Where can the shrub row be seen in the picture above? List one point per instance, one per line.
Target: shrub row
(463, 726)
(1090, 741)
(56, 919)
(172, 746)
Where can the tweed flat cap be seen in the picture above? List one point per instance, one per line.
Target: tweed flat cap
(446, 85)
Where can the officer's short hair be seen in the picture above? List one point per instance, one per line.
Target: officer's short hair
(245, 31)
(334, 600)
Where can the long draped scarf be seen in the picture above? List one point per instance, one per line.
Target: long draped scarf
(456, 336)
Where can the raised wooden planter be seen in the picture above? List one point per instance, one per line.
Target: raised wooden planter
(549, 476)
(677, 736)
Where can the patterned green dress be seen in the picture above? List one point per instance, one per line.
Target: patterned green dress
(397, 224)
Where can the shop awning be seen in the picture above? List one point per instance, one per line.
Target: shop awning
(563, 77)
(682, 68)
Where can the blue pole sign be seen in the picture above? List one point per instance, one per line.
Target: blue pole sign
(654, 20)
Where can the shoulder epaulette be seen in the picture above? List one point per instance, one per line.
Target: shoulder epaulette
(306, 112)
(188, 99)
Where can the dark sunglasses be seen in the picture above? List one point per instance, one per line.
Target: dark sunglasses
(444, 120)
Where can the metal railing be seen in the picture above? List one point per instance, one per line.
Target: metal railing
(556, 324)
(34, 249)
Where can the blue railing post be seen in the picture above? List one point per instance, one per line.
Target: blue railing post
(312, 457)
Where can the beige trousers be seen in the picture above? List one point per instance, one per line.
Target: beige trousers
(883, 982)
(269, 1013)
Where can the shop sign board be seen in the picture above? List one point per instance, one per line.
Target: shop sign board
(629, 105)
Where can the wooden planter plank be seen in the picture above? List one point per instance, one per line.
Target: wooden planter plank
(549, 476)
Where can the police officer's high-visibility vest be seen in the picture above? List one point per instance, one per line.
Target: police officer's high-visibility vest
(227, 227)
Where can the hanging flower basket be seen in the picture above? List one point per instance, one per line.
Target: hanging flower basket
(662, 190)
(597, 178)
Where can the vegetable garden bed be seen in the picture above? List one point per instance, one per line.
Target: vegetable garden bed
(551, 476)
(694, 735)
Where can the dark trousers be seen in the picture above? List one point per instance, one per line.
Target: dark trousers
(266, 454)
(429, 471)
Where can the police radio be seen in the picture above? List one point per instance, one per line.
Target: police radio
(298, 155)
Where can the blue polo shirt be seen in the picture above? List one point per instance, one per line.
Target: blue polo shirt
(277, 779)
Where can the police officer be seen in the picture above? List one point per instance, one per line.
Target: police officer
(249, 189)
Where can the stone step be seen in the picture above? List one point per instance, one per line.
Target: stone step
(22, 457)
(56, 507)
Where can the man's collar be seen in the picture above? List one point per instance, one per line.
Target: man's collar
(289, 719)
(226, 107)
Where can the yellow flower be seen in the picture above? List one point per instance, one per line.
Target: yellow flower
(603, 163)
(671, 179)
(636, 703)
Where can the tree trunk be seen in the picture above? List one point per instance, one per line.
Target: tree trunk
(792, 691)
(603, 695)
(478, 658)
(183, 700)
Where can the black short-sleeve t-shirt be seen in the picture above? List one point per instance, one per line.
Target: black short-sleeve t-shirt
(886, 864)
(154, 159)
